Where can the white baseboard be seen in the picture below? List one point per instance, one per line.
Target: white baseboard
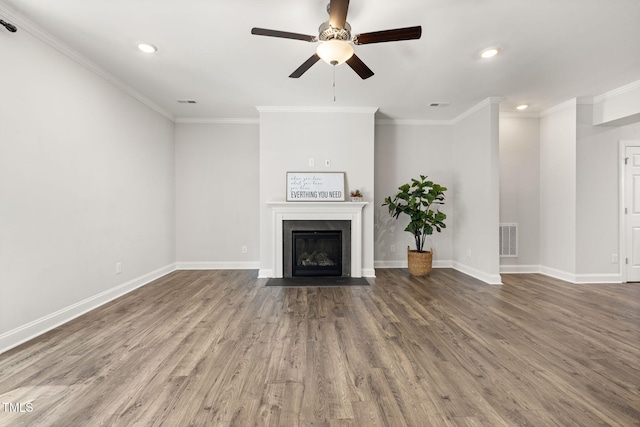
(231, 265)
(368, 272)
(598, 278)
(487, 278)
(581, 279)
(513, 269)
(26, 332)
(443, 264)
(562, 275)
(520, 269)
(390, 264)
(265, 273)
(403, 264)
(491, 279)
(558, 274)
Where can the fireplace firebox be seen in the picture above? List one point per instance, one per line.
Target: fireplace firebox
(316, 248)
(317, 253)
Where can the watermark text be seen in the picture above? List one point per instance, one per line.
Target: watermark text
(17, 407)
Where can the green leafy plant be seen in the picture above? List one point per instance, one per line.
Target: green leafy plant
(416, 200)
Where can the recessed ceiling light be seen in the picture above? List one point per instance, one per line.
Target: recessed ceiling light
(489, 52)
(522, 107)
(147, 48)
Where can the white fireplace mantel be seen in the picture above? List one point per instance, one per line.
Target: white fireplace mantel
(311, 211)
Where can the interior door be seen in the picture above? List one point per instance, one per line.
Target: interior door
(632, 213)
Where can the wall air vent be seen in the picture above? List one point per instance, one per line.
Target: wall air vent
(508, 240)
(186, 101)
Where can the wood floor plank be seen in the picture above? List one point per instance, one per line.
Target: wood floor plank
(219, 348)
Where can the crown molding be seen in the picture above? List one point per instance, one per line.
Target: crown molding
(464, 115)
(413, 122)
(563, 106)
(617, 92)
(585, 100)
(356, 110)
(38, 32)
(221, 121)
(478, 107)
(514, 115)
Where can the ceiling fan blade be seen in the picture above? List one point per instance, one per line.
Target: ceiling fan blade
(283, 34)
(359, 67)
(398, 34)
(304, 67)
(338, 13)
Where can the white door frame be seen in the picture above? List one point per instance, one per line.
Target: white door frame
(623, 144)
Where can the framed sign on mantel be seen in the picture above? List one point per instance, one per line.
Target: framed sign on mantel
(315, 187)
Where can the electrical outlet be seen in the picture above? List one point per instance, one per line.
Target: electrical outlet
(312, 162)
(614, 258)
(468, 253)
(118, 267)
(392, 248)
(244, 250)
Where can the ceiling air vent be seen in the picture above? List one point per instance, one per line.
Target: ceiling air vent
(186, 101)
(439, 104)
(508, 240)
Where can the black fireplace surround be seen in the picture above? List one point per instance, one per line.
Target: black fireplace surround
(316, 248)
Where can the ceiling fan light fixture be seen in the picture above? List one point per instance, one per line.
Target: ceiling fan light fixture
(334, 52)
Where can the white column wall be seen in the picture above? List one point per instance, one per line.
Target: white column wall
(558, 191)
(289, 137)
(476, 180)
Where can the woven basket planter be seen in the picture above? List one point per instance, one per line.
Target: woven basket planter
(419, 262)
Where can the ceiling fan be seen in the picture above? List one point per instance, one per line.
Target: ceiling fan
(335, 35)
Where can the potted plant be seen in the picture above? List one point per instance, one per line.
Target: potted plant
(356, 196)
(416, 200)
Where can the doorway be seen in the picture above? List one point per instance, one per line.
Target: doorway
(630, 233)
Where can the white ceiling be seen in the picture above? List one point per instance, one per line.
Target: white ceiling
(551, 51)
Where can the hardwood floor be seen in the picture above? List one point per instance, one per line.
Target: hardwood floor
(218, 348)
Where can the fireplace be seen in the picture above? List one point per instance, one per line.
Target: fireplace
(345, 216)
(316, 248)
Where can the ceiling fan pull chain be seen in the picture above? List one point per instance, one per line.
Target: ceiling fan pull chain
(334, 83)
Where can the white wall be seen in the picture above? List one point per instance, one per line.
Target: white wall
(217, 195)
(290, 137)
(403, 152)
(558, 191)
(520, 188)
(476, 204)
(86, 181)
(598, 201)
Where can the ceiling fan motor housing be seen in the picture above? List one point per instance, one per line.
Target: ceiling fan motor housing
(327, 32)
